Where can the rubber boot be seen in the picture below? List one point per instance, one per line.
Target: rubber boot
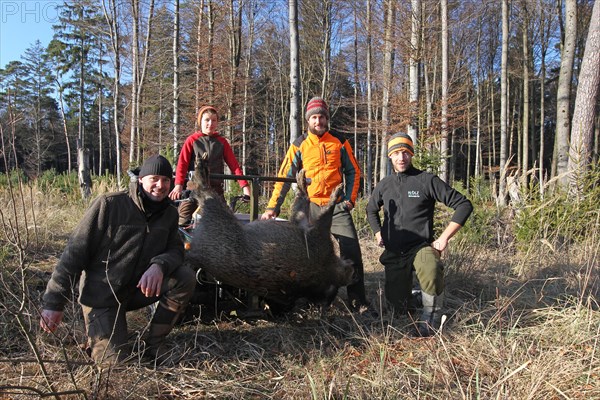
(431, 316)
(162, 324)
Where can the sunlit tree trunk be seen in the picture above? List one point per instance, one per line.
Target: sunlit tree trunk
(175, 78)
(369, 50)
(295, 124)
(525, 119)
(135, 48)
(563, 101)
(444, 173)
(326, 51)
(584, 114)
(388, 66)
(209, 52)
(415, 50)
(503, 106)
(544, 24)
(111, 16)
(235, 38)
(199, 41)
(250, 42)
(478, 160)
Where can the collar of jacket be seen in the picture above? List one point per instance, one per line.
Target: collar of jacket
(316, 138)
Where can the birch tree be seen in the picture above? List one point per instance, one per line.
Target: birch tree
(413, 80)
(501, 200)
(294, 119)
(388, 66)
(525, 119)
(111, 15)
(175, 77)
(563, 95)
(584, 114)
(444, 173)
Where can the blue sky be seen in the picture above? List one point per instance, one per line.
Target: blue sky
(22, 22)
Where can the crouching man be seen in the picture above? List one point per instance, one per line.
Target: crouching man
(408, 199)
(126, 253)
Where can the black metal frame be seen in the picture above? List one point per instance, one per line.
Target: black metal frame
(254, 181)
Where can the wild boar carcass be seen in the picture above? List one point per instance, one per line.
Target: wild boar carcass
(281, 261)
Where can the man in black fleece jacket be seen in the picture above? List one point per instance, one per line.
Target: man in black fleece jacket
(126, 253)
(408, 199)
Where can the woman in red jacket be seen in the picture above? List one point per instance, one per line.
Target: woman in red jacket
(206, 141)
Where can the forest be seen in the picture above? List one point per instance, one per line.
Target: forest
(500, 97)
(487, 88)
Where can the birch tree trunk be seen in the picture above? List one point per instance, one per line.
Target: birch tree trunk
(209, 52)
(235, 38)
(388, 66)
(295, 124)
(563, 100)
(199, 41)
(501, 200)
(175, 78)
(370, 176)
(584, 114)
(111, 16)
(135, 48)
(413, 79)
(525, 120)
(444, 175)
(478, 160)
(367, 189)
(326, 51)
(544, 24)
(245, 106)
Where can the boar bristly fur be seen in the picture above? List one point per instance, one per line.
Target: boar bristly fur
(281, 261)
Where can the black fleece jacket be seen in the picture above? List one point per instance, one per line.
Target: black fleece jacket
(116, 241)
(408, 200)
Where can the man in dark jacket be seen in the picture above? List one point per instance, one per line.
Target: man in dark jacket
(126, 253)
(408, 199)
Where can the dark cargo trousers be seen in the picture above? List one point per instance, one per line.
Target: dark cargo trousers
(107, 327)
(399, 267)
(342, 228)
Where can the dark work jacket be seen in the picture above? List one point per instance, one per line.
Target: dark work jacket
(408, 200)
(111, 248)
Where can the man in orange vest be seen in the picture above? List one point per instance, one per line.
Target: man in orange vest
(328, 160)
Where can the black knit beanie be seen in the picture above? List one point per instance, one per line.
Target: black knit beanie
(156, 165)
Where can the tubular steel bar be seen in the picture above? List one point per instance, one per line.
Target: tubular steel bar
(254, 187)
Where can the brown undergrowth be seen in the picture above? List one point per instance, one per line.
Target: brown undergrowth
(511, 333)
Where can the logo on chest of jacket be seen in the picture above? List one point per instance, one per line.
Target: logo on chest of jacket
(413, 193)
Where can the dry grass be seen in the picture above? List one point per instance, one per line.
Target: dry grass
(512, 333)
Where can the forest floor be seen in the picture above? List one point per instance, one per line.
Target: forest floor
(520, 325)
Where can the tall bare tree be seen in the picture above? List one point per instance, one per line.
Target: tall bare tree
(501, 200)
(563, 95)
(198, 60)
(584, 114)
(388, 66)
(139, 67)
(413, 80)
(295, 124)
(235, 51)
(525, 119)
(444, 171)
(111, 15)
(369, 67)
(175, 77)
